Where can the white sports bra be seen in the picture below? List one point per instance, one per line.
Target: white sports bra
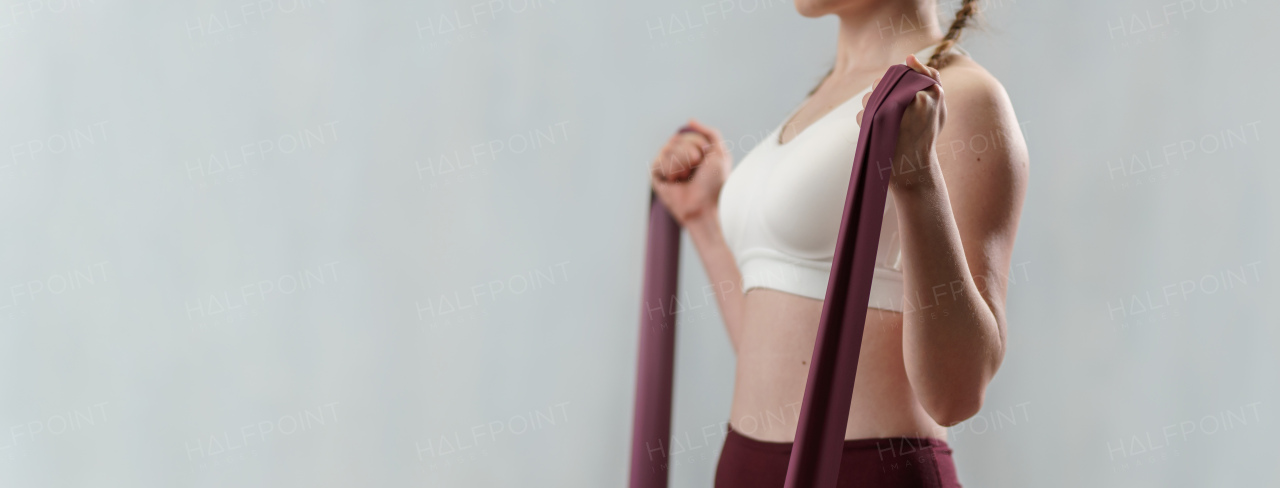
(781, 207)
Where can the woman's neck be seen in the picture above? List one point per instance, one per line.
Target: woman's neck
(884, 34)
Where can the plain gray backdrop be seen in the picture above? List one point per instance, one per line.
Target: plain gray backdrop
(340, 243)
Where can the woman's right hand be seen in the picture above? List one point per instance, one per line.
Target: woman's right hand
(690, 170)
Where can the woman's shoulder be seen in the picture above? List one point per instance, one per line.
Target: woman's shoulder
(965, 77)
(979, 112)
(964, 80)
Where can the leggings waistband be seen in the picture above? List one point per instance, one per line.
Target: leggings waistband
(901, 444)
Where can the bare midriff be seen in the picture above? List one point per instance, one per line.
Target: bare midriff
(774, 351)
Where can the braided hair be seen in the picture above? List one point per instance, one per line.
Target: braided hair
(963, 16)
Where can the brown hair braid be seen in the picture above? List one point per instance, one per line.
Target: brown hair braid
(963, 16)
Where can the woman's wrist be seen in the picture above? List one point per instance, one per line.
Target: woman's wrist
(705, 223)
(922, 177)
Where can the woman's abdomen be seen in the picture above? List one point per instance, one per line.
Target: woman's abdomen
(774, 350)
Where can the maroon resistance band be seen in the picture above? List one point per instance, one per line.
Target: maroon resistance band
(651, 428)
(824, 414)
(815, 457)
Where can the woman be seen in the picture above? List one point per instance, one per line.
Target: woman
(935, 331)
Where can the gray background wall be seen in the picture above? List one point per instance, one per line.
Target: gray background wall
(336, 243)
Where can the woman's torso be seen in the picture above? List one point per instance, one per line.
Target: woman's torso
(780, 211)
(775, 346)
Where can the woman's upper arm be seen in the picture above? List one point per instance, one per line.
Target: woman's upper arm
(984, 162)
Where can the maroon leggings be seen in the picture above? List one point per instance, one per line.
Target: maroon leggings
(900, 462)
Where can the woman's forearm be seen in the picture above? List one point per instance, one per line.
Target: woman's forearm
(951, 340)
(722, 270)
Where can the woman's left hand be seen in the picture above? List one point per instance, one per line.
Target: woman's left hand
(921, 124)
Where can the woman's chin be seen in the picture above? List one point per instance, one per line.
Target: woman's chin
(810, 9)
(819, 8)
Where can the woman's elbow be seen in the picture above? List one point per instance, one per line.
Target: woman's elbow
(955, 408)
